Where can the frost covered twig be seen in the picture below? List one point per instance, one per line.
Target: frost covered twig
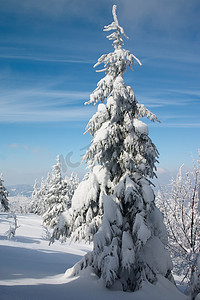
(180, 207)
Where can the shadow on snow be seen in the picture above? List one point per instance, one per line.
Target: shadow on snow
(31, 263)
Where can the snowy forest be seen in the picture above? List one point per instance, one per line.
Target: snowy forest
(112, 234)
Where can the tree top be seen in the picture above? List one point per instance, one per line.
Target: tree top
(115, 36)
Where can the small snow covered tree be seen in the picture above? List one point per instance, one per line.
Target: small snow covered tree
(13, 225)
(72, 184)
(3, 195)
(34, 205)
(55, 197)
(114, 205)
(38, 204)
(181, 207)
(42, 195)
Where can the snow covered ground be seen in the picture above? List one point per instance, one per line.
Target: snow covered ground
(30, 269)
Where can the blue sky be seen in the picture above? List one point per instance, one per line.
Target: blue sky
(47, 52)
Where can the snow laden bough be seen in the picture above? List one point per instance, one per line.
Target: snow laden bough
(114, 205)
(83, 219)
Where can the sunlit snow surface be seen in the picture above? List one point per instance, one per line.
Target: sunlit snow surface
(30, 269)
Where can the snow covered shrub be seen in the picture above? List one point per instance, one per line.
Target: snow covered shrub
(3, 195)
(180, 205)
(13, 225)
(114, 205)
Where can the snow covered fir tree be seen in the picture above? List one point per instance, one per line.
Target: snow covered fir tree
(114, 204)
(34, 206)
(37, 205)
(3, 195)
(55, 196)
(72, 184)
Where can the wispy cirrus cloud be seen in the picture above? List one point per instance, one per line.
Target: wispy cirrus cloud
(41, 105)
(67, 115)
(53, 8)
(15, 146)
(28, 114)
(168, 98)
(45, 59)
(181, 125)
(41, 96)
(46, 105)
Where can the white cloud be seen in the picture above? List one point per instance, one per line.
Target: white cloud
(58, 115)
(54, 8)
(14, 145)
(19, 146)
(181, 125)
(43, 105)
(45, 59)
(161, 171)
(47, 105)
(164, 17)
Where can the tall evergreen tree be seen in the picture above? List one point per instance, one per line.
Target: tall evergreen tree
(3, 195)
(114, 204)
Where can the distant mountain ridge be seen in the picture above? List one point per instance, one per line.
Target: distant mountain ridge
(19, 190)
